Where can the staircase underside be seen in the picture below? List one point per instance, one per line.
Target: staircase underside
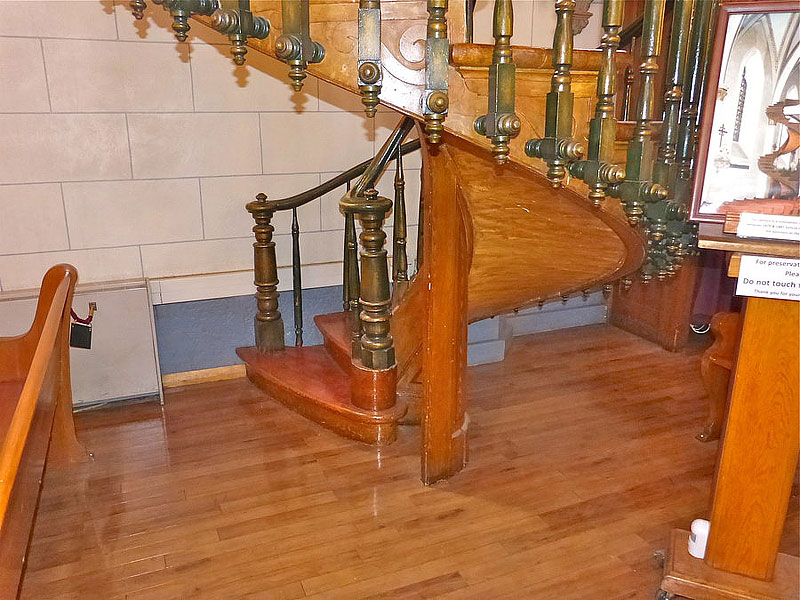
(531, 242)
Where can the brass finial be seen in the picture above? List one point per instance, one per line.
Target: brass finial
(181, 10)
(295, 47)
(137, 8)
(239, 25)
(597, 171)
(369, 74)
(437, 105)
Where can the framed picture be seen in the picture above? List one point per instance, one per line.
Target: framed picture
(749, 141)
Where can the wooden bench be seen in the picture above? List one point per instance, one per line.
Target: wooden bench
(716, 367)
(35, 418)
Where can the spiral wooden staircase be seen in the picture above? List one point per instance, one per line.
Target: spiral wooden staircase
(786, 183)
(501, 230)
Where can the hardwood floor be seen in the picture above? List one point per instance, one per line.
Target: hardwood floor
(582, 459)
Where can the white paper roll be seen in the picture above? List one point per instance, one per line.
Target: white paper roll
(699, 538)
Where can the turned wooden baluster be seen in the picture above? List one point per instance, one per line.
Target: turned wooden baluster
(664, 170)
(666, 220)
(370, 73)
(377, 346)
(557, 148)
(350, 276)
(437, 51)
(690, 107)
(681, 236)
(638, 188)
(627, 94)
(297, 281)
(501, 123)
(352, 280)
(268, 320)
(399, 254)
(598, 171)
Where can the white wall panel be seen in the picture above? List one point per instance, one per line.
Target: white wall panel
(98, 76)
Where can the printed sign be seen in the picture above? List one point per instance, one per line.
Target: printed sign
(769, 277)
(770, 227)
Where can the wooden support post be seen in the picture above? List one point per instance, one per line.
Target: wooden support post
(445, 269)
(759, 450)
(756, 467)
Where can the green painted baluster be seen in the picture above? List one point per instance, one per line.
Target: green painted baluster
(501, 123)
(557, 148)
(598, 172)
(295, 47)
(435, 100)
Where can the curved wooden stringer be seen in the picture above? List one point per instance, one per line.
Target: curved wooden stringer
(496, 238)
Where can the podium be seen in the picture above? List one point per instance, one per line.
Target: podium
(758, 454)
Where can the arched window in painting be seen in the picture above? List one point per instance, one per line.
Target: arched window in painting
(737, 127)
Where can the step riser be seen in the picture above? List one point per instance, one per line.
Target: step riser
(340, 355)
(380, 433)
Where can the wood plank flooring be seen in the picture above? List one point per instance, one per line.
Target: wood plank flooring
(582, 459)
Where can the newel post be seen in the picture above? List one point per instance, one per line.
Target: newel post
(377, 346)
(374, 368)
(268, 320)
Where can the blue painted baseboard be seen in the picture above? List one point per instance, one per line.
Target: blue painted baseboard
(205, 333)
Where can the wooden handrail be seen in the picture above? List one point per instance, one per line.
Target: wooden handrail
(480, 56)
(339, 180)
(35, 378)
(17, 433)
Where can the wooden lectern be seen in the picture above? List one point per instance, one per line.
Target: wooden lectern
(758, 453)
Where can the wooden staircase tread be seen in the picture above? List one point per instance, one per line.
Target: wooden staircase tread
(307, 371)
(311, 382)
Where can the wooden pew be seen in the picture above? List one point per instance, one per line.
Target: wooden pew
(715, 369)
(35, 418)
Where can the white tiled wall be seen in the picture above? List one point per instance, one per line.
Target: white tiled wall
(130, 155)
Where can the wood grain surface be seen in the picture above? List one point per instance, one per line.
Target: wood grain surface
(37, 414)
(580, 466)
(760, 442)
